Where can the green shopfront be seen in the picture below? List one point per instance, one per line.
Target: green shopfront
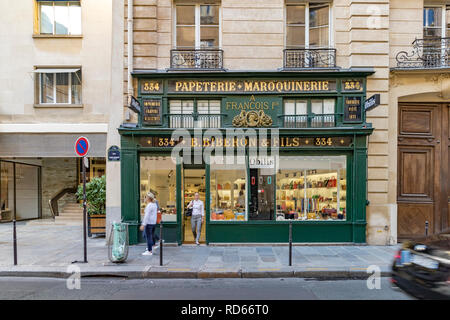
(262, 149)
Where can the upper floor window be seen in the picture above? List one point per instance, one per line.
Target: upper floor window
(198, 114)
(59, 17)
(59, 86)
(299, 113)
(197, 26)
(308, 25)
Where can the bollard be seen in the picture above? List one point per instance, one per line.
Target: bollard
(160, 244)
(290, 243)
(15, 242)
(426, 228)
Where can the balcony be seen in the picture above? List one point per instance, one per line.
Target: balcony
(309, 58)
(196, 59)
(310, 121)
(426, 54)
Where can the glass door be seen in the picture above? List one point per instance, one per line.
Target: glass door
(194, 182)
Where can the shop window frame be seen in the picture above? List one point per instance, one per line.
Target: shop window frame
(309, 114)
(39, 189)
(193, 118)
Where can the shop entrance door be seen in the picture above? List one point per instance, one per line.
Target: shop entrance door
(423, 169)
(194, 180)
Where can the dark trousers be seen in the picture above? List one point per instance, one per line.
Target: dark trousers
(149, 234)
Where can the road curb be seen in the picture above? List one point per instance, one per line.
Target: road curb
(196, 274)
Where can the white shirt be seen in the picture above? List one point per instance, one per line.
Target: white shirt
(197, 207)
(150, 214)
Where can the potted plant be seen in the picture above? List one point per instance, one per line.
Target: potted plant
(95, 204)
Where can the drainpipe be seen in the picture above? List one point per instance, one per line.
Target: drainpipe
(130, 52)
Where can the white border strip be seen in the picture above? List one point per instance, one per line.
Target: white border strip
(53, 128)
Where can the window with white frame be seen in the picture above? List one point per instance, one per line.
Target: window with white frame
(59, 86)
(436, 21)
(59, 17)
(197, 26)
(308, 25)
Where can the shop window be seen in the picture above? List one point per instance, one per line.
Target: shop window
(158, 175)
(59, 17)
(262, 202)
(197, 26)
(311, 188)
(313, 113)
(27, 192)
(307, 25)
(59, 86)
(6, 191)
(25, 179)
(228, 190)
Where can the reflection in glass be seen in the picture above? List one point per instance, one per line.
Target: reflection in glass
(311, 188)
(62, 88)
(61, 18)
(27, 192)
(76, 87)
(47, 18)
(6, 191)
(47, 88)
(158, 175)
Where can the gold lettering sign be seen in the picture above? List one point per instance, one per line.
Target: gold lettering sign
(250, 86)
(151, 86)
(252, 142)
(352, 85)
(151, 112)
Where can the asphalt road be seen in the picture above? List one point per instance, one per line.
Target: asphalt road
(195, 289)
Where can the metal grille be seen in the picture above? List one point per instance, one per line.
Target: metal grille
(197, 59)
(309, 58)
(426, 53)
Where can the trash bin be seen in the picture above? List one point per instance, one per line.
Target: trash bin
(118, 242)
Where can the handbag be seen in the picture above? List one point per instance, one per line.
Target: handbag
(158, 217)
(188, 212)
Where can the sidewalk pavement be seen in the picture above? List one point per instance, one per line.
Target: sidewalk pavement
(47, 250)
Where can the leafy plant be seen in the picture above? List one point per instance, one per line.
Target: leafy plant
(95, 195)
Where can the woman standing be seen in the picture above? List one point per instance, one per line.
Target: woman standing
(197, 218)
(149, 222)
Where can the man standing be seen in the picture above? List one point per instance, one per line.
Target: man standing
(198, 214)
(149, 222)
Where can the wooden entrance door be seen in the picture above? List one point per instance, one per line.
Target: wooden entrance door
(423, 169)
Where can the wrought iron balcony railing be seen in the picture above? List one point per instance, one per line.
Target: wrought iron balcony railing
(310, 120)
(309, 58)
(195, 120)
(196, 59)
(426, 53)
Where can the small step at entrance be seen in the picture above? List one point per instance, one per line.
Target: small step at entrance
(71, 212)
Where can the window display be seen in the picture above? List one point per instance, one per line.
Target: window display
(158, 175)
(228, 190)
(261, 204)
(311, 188)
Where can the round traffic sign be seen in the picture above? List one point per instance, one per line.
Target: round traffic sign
(81, 146)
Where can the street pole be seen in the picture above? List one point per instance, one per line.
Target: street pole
(160, 243)
(84, 211)
(15, 242)
(290, 243)
(15, 216)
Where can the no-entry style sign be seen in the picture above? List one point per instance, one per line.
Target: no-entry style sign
(81, 146)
